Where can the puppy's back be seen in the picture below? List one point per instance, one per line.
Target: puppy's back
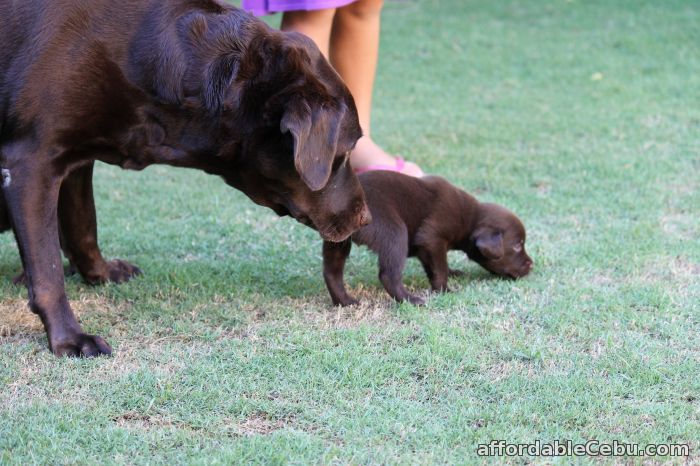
(430, 202)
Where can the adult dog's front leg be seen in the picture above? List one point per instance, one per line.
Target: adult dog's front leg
(31, 192)
(78, 220)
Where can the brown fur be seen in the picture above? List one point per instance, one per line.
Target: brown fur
(425, 218)
(189, 83)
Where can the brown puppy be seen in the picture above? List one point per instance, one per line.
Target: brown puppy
(190, 83)
(426, 217)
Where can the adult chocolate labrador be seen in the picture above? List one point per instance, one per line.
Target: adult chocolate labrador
(189, 83)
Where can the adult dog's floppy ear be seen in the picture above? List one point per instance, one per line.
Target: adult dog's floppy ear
(489, 242)
(315, 132)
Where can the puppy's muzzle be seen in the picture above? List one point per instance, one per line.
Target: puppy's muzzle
(526, 267)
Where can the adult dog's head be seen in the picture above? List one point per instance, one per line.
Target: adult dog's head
(286, 122)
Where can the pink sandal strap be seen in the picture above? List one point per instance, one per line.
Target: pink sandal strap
(398, 167)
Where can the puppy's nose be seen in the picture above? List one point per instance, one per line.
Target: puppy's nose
(365, 217)
(527, 266)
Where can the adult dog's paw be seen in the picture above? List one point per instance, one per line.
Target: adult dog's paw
(115, 271)
(121, 271)
(81, 345)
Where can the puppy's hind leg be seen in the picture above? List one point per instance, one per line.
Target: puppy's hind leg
(334, 256)
(392, 258)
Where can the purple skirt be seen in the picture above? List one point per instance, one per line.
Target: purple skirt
(264, 7)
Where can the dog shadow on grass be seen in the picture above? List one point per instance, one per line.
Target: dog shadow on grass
(220, 294)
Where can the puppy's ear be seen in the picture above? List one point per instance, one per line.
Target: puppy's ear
(489, 242)
(218, 77)
(315, 132)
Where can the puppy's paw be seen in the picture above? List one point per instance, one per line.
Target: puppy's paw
(349, 301)
(81, 345)
(456, 273)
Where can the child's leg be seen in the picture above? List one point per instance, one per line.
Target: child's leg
(316, 24)
(354, 49)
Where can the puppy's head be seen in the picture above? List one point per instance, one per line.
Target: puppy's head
(498, 242)
(294, 123)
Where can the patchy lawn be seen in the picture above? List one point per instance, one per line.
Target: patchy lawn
(582, 117)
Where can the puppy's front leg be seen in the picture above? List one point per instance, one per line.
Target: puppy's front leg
(31, 190)
(334, 256)
(433, 257)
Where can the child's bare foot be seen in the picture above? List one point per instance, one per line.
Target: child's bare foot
(367, 156)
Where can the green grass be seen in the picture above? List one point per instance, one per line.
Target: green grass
(581, 116)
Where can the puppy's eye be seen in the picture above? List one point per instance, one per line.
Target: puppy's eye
(518, 247)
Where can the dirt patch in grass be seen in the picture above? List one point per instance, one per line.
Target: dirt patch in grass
(680, 222)
(679, 225)
(261, 424)
(258, 423)
(134, 420)
(684, 268)
(679, 269)
(505, 369)
(18, 321)
(602, 280)
(375, 308)
(372, 309)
